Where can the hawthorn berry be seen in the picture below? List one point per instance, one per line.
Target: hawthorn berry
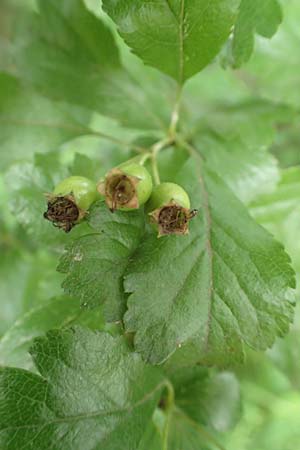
(169, 209)
(126, 187)
(68, 203)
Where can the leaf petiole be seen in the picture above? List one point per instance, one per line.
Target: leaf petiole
(169, 408)
(155, 149)
(144, 158)
(175, 114)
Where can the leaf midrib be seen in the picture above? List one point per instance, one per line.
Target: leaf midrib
(208, 223)
(90, 415)
(36, 123)
(180, 24)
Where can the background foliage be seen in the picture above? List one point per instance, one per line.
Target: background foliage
(75, 100)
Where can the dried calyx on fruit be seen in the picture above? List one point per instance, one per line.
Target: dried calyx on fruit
(169, 209)
(68, 203)
(126, 187)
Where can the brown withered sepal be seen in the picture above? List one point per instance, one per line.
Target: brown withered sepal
(119, 190)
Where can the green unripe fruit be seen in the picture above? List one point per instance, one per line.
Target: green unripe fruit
(169, 209)
(83, 190)
(144, 185)
(126, 187)
(68, 203)
(166, 193)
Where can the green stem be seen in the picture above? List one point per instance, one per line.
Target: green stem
(155, 171)
(144, 158)
(140, 159)
(166, 432)
(175, 113)
(171, 394)
(169, 409)
(155, 149)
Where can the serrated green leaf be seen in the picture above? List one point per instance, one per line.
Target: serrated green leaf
(279, 212)
(178, 37)
(57, 313)
(92, 393)
(226, 285)
(30, 123)
(95, 263)
(273, 66)
(260, 16)
(73, 56)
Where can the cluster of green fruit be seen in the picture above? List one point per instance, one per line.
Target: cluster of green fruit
(126, 187)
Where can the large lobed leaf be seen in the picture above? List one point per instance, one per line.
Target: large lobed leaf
(225, 285)
(92, 393)
(58, 312)
(72, 56)
(178, 37)
(273, 66)
(279, 212)
(31, 123)
(255, 16)
(95, 263)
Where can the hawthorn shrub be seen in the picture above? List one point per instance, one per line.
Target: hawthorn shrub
(160, 149)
